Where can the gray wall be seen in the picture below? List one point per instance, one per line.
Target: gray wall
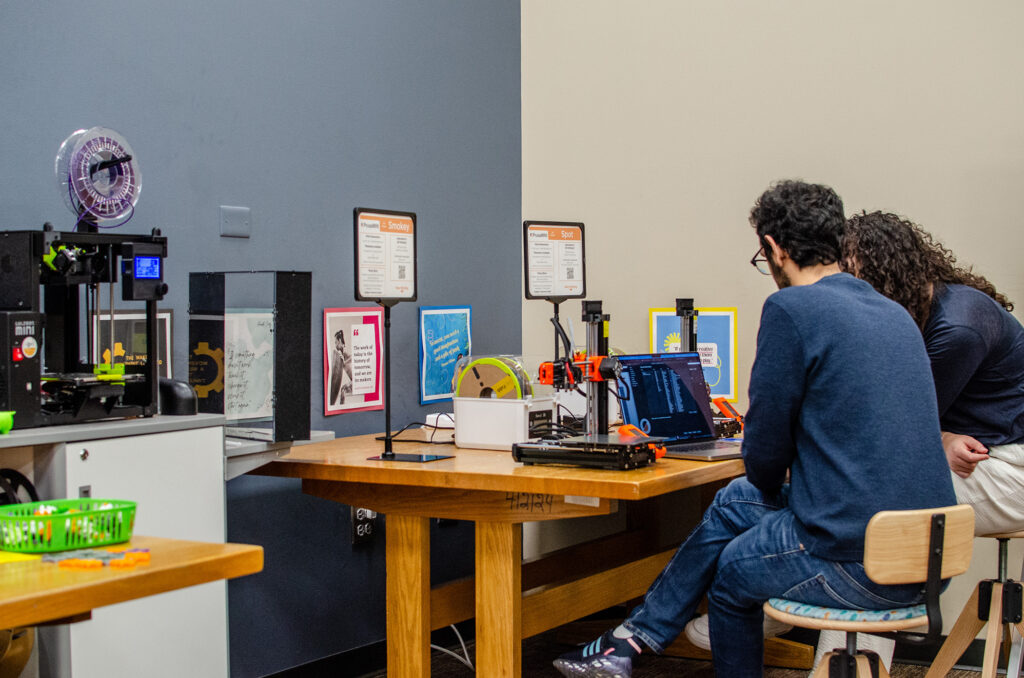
(300, 111)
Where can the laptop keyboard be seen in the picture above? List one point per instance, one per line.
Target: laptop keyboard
(710, 445)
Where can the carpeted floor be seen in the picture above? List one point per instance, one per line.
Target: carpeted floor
(539, 651)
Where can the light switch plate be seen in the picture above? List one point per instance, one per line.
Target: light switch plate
(235, 222)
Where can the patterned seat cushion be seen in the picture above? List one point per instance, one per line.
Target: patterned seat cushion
(837, 614)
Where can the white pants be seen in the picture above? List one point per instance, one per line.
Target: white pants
(996, 491)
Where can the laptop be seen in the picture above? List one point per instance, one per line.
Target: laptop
(665, 395)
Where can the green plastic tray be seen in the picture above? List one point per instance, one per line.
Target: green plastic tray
(77, 523)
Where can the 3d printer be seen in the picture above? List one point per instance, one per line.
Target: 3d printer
(45, 379)
(44, 376)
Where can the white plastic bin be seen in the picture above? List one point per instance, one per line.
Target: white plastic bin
(496, 423)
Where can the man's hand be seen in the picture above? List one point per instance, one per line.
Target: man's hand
(963, 453)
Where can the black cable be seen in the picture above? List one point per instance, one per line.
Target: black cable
(447, 415)
(434, 428)
(550, 436)
(429, 441)
(541, 429)
(564, 337)
(572, 416)
(552, 431)
(625, 386)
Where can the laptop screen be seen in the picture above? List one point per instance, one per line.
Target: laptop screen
(664, 394)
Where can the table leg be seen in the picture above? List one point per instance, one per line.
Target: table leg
(407, 543)
(499, 599)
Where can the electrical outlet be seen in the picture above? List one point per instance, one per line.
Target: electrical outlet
(235, 222)
(364, 525)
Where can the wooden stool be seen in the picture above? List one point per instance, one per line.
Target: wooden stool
(994, 600)
(900, 547)
(15, 650)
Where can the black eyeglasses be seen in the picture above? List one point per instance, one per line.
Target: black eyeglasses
(760, 262)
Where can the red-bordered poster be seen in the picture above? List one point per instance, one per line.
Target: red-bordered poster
(353, 360)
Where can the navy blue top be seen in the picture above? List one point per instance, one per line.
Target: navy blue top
(977, 351)
(841, 396)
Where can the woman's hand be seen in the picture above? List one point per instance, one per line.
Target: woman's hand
(963, 453)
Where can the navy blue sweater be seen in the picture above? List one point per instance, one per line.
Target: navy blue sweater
(977, 352)
(841, 396)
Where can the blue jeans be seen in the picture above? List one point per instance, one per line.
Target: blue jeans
(744, 551)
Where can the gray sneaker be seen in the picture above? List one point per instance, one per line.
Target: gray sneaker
(595, 667)
(698, 634)
(606, 657)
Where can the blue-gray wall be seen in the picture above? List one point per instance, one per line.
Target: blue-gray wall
(300, 111)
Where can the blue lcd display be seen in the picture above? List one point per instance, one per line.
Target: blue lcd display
(147, 268)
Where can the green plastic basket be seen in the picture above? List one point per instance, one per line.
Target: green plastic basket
(76, 524)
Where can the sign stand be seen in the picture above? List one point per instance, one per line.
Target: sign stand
(687, 325)
(385, 270)
(555, 265)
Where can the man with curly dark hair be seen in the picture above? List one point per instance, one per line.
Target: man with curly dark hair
(976, 348)
(839, 370)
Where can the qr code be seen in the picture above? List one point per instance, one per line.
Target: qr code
(401, 272)
(570, 272)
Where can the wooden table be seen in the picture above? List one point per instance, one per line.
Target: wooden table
(510, 600)
(33, 592)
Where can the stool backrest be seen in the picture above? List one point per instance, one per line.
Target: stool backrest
(896, 544)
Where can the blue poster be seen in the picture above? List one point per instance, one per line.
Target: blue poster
(664, 331)
(444, 338)
(716, 343)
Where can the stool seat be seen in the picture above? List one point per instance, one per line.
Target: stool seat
(865, 621)
(916, 546)
(1003, 535)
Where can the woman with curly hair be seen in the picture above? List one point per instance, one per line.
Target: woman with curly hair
(976, 348)
(977, 352)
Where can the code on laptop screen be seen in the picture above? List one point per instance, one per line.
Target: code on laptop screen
(665, 395)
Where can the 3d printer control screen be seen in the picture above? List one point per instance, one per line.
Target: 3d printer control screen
(667, 396)
(147, 268)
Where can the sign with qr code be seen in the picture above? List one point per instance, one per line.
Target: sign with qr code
(385, 254)
(553, 253)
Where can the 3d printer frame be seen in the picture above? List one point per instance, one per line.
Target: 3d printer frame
(58, 385)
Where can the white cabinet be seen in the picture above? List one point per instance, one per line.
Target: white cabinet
(177, 478)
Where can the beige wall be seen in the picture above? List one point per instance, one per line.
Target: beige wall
(658, 123)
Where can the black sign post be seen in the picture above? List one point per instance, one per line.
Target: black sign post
(385, 270)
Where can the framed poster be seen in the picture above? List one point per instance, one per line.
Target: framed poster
(353, 360)
(554, 260)
(130, 338)
(385, 253)
(716, 343)
(445, 337)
